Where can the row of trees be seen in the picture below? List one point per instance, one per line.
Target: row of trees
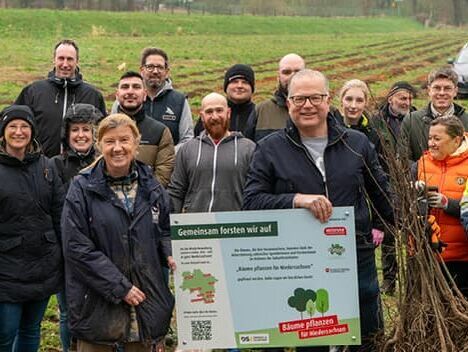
(444, 11)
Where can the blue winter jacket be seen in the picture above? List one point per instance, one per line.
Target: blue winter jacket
(282, 167)
(107, 251)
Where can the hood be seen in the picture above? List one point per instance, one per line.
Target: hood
(166, 87)
(32, 154)
(463, 148)
(204, 138)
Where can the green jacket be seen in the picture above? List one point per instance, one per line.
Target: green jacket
(415, 131)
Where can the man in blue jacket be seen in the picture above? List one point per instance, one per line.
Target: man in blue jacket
(316, 164)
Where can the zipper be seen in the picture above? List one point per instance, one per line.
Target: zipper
(65, 100)
(213, 181)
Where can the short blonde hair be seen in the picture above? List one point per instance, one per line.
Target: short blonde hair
(113, 121)
(355, 83)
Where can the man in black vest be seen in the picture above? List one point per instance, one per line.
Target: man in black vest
(50, 98)
(163, 102)
(239, 85)
(156, 147)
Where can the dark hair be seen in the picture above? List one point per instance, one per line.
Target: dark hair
(154, 51)
(130, 74)
(444, 73)
(68, 42)
(453, 125)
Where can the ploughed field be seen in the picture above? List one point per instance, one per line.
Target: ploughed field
(379, 51)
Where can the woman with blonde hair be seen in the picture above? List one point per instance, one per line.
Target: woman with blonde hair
(116, 239)
(443, 171)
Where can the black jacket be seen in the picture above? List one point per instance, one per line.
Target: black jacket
(31, 197)
(282, 167)
(69, 163)
(108, 250)
(49, 100)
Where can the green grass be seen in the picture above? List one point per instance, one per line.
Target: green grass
(54, 23)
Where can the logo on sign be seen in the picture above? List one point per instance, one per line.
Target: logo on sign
(254, 339)
(335, 231)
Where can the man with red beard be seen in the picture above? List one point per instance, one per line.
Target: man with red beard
(210, 169)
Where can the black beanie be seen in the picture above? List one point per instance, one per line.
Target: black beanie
(240, 71)
(401, 85)
(21, 112)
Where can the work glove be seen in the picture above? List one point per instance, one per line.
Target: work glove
(433, 231)
(437, 200)
(377, 237)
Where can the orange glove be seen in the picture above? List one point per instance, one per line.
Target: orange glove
(433, 231)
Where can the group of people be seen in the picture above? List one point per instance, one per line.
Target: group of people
(86, 198)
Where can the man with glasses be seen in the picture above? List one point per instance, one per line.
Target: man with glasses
(315, 163)
(163, 102)
(272, 114)
(442, 90)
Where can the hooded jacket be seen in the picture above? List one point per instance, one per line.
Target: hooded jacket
(282, 166)
(210, 177)
(107, 250)
(49, 100)
(31, 198)
(415, 131)
(450, 176)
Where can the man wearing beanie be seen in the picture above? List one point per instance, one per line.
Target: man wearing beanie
(387, 122)
(239, 85)
(50, 98)
(442, 90)
(272, 114)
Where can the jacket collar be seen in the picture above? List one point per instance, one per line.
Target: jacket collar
(65, 82)
(459, 110)
(246, 106)
(32, 155)
(279, 98)
(137, 117)
(335, 131)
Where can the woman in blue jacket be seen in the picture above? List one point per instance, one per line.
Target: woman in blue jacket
(116, 239)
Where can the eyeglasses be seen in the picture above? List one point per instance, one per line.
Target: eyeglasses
(447, 89)
(152, 68)
(300, 100)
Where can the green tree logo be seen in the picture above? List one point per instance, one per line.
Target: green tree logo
(300, 300)
(309, 301)
(322, 303)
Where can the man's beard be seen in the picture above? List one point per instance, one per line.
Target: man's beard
(154, 83)
(217, 130)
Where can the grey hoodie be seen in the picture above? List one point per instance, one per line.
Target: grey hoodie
(209, 177)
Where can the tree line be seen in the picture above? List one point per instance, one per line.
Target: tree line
(453, 12)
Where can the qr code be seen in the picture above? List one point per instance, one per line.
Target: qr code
(201, 330)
